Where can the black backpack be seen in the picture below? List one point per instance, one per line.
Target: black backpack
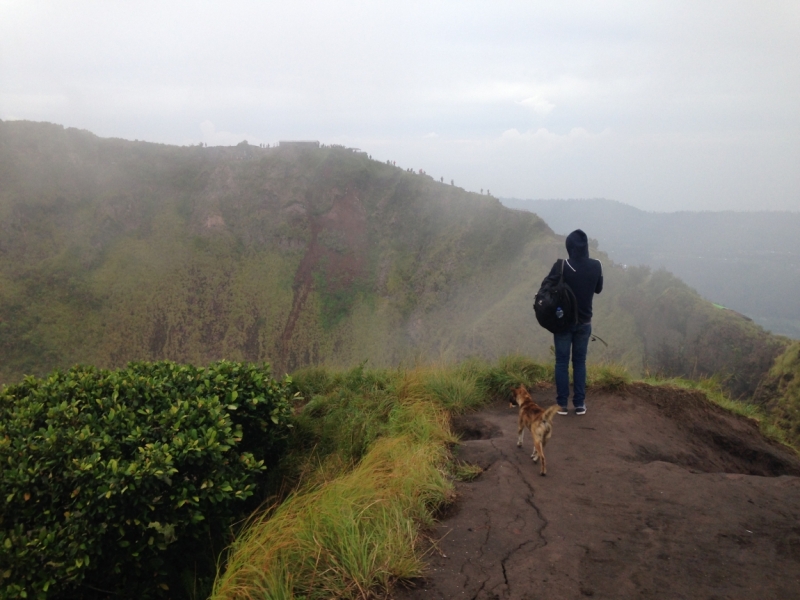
(555, 305)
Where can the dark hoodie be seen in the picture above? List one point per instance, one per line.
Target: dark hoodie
(583, 274)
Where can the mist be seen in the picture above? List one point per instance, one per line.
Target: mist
(666, 106)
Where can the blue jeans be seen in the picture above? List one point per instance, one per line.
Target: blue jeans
(577, 339)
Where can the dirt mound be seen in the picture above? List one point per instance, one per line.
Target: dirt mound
(703, 436)
(654, 493)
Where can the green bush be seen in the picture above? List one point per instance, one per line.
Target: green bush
(111, 478)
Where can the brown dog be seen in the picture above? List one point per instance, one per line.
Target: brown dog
(539, 420)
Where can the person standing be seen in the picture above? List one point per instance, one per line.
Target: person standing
(584, 276)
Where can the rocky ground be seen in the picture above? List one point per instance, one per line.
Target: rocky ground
(653, 493)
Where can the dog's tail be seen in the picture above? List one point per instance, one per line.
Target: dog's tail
(549, 413)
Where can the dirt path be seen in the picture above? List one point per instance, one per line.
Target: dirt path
(649, 495)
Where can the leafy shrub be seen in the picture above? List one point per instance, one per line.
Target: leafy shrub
(110, 478)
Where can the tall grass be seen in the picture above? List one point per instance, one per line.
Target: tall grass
(495, 382)
(374, 469)
(347, 538)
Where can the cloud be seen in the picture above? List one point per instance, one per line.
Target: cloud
(538, 105)
(544, 136)
(626, 89)
(33, 105)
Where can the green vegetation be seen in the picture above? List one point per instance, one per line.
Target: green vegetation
(110, 479)
(779, 393)
(464, 471)
(343, 539)
(610, 377)
(371, 455)
(164, 457)
(114, 251)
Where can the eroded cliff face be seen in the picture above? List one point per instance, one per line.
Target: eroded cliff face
(335, 261)
(112, 251)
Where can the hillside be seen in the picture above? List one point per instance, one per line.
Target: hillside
(655, 493)
(112, 250)
(779, 392)
(744, 261)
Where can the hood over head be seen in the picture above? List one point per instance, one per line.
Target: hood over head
(578, 244)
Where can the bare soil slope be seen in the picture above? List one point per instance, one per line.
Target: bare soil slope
(652, 494)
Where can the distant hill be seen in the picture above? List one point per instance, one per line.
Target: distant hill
(749, 262)
(113, 251)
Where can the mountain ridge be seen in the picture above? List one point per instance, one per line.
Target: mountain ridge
(113, 251)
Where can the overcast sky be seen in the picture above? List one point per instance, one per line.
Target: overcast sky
(675, 105)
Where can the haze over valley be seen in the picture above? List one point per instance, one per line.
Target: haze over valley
(745, 261)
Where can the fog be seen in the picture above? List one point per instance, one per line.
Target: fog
(665, 106)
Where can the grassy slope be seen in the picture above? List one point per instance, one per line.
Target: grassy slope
(113, 250)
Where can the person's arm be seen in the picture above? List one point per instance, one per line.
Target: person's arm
(599, 287)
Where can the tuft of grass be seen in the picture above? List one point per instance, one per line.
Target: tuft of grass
(456, 391)
(475, 382)
(464, 471)
(376, 469)
(608, 377)
(312, 381)
(496, 381)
